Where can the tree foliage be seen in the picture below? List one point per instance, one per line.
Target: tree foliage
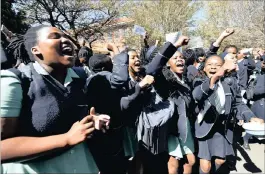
(14, 21)
(246, 17)
(80, 18)
(160, 17)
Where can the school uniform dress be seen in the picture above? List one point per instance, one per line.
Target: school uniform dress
(182, 143)
(46, 108)
(219, 108)
(133, 104)
(130, 142)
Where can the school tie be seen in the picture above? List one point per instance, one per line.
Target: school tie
(219, 98)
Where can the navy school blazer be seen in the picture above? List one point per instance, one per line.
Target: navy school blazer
(234, 107)
(131, 103)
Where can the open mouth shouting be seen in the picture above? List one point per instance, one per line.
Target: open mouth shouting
(180, 65)
(67, 50)
(211, 73)
(137, 64)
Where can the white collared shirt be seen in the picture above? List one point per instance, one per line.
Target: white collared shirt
(221, 95)
(238, 61)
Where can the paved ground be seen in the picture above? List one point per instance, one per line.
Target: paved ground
(252, 161)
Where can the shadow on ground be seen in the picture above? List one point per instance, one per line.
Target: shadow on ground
(249, 165)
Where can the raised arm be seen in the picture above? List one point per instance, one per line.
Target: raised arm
(242, 110)
(164, 54)
(216, 45)
(203, 89)
(120, 74)
(259, 89)
(248, 59)
(251, 63)
(129, 101)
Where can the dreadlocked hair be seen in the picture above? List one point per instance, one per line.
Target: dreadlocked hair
(16, 50)
(19, 49)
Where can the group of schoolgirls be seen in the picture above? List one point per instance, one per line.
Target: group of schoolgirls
(130, 116)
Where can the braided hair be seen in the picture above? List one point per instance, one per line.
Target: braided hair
(19, 48)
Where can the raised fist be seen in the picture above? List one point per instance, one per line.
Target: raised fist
(111, 46)
(182, 41)
(157, 42)
(146, 81)
(227, 32)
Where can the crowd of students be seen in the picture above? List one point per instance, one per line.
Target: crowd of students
(156, 111)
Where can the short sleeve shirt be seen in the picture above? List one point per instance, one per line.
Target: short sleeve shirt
(75, 160)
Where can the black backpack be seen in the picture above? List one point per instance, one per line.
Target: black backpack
(153, 123)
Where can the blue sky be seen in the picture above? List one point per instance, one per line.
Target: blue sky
(200, 14)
